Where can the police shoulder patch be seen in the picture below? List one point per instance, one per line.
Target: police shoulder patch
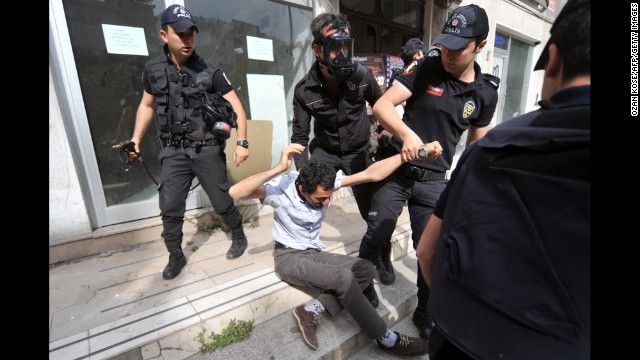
(409, 69)
(468, 109)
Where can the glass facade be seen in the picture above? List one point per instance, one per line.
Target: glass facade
(112, 40)
(514, 81)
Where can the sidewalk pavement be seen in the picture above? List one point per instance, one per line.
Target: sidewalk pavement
(117, 306)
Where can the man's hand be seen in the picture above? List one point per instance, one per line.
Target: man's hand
(287, 155)
(240, 155)
(132, 149)
(434, 149)
(411, 146)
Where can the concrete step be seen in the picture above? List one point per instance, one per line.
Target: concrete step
(338, 338)
(117, 306)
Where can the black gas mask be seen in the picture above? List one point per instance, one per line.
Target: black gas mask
(342, 66)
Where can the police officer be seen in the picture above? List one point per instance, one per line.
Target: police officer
(191, 100)
(512, 229)
(334, 92)
(445, 96)
(412, 51)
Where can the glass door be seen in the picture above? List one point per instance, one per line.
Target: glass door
(98, 50)
(515, 56)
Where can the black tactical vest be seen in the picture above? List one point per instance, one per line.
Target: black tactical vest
(178, 94)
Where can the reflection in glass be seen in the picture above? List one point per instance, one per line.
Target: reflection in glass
(517, 83)
(111, 83)
(112, 90)
(405, 12)
(360, 6)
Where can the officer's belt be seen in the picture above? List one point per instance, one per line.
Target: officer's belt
(279, 245)
(189, 142)
(420, 174)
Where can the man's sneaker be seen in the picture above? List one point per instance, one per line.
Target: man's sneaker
(385, 272)
(238, 246)
(406, 345)
(177, 261)
(371, 295)
(308, 323)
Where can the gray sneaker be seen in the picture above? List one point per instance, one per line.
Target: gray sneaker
(406, 345)
(308, 323)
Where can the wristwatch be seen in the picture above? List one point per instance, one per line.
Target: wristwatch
(243, 143)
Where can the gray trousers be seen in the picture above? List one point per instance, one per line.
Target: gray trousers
(338, 278)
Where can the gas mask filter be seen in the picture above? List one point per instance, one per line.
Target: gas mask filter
(342, 66)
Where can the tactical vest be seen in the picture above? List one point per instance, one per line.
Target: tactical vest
(178, 95)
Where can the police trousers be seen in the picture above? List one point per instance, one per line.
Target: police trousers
(179, 167)
(388, 201)
(335, 280)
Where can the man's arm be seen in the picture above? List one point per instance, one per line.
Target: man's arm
(144, 115)
(476, 133)
(385, 111)
(383, 168)
(300, 128)
(426, 250)
(253, 186)
(240, 154)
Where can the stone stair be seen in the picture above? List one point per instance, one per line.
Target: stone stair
(115, 305)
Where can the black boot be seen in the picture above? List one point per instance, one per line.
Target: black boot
(421, 318)
(238, 246)
(177, 261)
(385, 267)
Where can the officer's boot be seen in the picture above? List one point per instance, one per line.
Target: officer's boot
(421, 318)
(177, 261)
(239, 244)
(385, 267)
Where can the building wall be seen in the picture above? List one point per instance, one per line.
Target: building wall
(67, 212)
(506, 15)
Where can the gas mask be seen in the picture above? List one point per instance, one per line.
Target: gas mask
(342, 66)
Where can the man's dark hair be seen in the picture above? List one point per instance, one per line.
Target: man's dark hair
(316, 173)
(572, 36)
(480, 38)
(323, 20)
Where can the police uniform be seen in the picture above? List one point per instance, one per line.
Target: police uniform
(189, 148)
(341, 126)
(440, 108)
(515, 247)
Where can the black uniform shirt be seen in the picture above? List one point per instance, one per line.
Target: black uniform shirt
(515, 242)
(341, 123)
(442, 107)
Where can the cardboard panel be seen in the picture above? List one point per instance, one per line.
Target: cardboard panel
(260, 137)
